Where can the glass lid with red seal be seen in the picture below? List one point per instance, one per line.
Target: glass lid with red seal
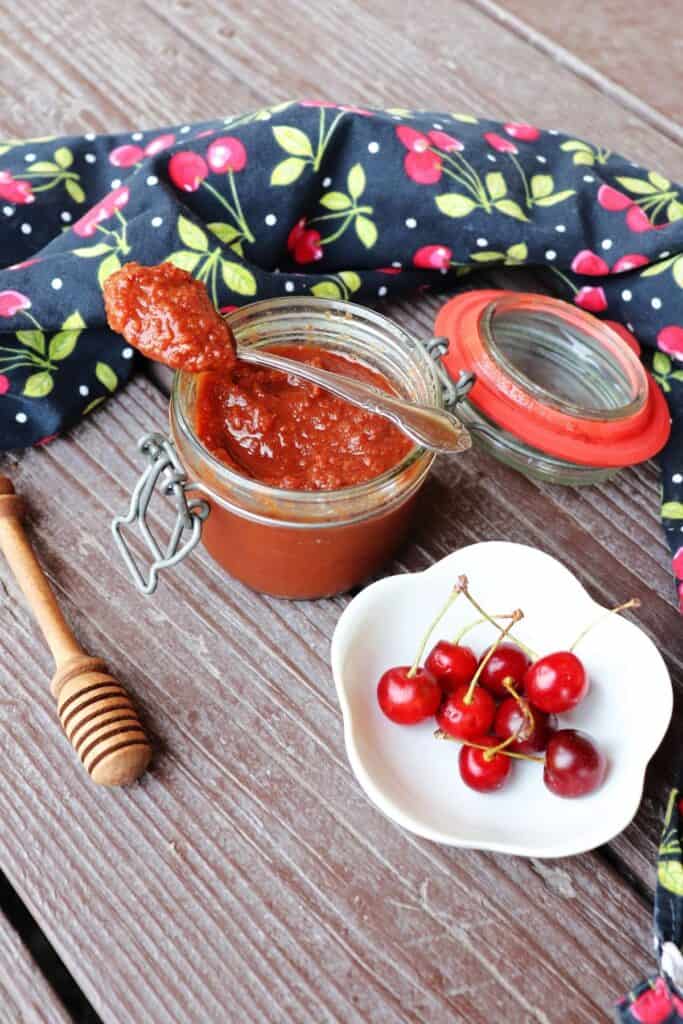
(557, 393)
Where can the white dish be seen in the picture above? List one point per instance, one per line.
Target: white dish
(413, 777)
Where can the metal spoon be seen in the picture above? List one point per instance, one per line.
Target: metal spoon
(427, 425)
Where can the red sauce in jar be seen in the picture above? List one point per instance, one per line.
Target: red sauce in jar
(292, 434)
(167, 315)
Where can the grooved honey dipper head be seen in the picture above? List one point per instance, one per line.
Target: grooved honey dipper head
(100, 722)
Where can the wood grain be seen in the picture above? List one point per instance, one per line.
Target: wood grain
(25, 996)
(247, 877)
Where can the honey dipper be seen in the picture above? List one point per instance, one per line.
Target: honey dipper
(95, 711)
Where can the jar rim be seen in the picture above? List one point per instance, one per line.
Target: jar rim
(305, 308)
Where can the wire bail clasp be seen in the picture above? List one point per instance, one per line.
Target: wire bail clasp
(190, 512)
(453, 391)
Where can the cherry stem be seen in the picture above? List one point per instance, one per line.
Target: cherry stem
(454, 595)
(477, 622)
(521, 733)
(463, 585)
(441, 735)
(515, 617)
(633, 603)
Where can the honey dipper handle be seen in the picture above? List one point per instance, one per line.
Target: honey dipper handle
(22, 560)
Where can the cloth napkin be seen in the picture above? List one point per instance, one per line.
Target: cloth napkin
(318, 199)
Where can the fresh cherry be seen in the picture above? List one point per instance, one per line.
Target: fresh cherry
(573, 764)
(482, 770)
(452, 664)
(466, 715)
(533, 728)
(408, 696)
(507, 661)
(556, 683)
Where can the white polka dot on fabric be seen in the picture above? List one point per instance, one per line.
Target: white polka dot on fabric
(663, 255)
(26, 229)
(136, 136)
(65, 216)
(606, 243)
(270, 219)
(561, 228)
(289, 286)
(656, 303)
(156, 222)
(90, 158)
(56, 283)
(89, 136)
(550, 254)
(491, 157)
(677, 478)
(152, 180)
(397, 264)
(482, 242)
(552, 131)
(627, 295)
(84, 390)
(373, 147)
(411, 222)
(381, 291)
(541, 159)
(327, 182)
(588, 177)
(8, 210)
(127, 353)
(437, 126)
(185, 129)
(29, 157)
(115, 183)
(21, 417)
(630, 327)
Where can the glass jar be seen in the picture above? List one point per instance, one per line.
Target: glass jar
(306, 544)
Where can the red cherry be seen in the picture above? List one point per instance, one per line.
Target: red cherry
(573, 764)
(676, 565)
(4, 384)
(670, 340)
(14, 191)
(126, 156)
(507, 661)
(308, 249)
(637, 219)
(466, 721)
(12, 302)
(226, 154)
(86, 226)
(500, 144)
(556, 683)
(524, 132)
(407, 699)
(187, 171)
(592, 299)
(653, 1006)
(452, 664)
(629, 262)
(611, 199)
(533, 729)
(423, 168)
(588, 262)
(433, 257)
(158, 144)
(416, 141)
(481, 772)
(448, 143)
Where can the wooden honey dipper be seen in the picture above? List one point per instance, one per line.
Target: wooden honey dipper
(96, 713)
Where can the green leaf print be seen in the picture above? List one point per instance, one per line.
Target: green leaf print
(366, 231)
(670, 875)
(355, 181)
(107, 267)
(74, 322)
(63, 157)
(672, 510)
(293, 140)
(559, 197)
(511, 209)
(62, 345)
(495, 183)
(335, 201)
(541, 185)
(38, 385)
(351, 279)
(455, 205)
(192, 235)
(636, 186)
(225, 232)
(238, 278)
(287, 172)
(184, 259)
(75, 191)
(32, 339)
(106, 376)
(661, 363)
(326, 290)
(89, 252)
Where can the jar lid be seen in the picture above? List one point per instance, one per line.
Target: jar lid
(555, 377)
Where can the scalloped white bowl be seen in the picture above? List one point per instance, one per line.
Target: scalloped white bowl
(413, 778)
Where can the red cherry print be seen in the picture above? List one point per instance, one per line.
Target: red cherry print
(187, 171)
(126, 156)
(588, 262)
(611, 199)
(12, 302)
(507, 661)
(677, 564)
(4, 384)
(448, 143)
(304, 243)
(408, 698)
(416, 141)
(356, 110)
(573, 764)
(389, 270)
(637, 219)
(452, 664)
(466, 720)
(523, 132)
(433, 257)
(13, 191)
(670, 340)
(226, 154)
(500, 144)
(296, 233)
(556, 683)
(533, 728)
(481, 771)
(592, 299)
(629, 262)
(107, 207)
(423, 168)
(46, 440)
(159, 144)
(227, 309)
(653, 1006)
(316, 103)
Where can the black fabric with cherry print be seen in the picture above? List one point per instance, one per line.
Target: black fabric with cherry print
(317, 199)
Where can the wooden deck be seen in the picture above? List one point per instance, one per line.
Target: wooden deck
(247, 878)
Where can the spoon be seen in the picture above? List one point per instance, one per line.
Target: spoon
(431, 427)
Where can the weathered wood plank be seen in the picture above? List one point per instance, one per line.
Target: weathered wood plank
(25, 996)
